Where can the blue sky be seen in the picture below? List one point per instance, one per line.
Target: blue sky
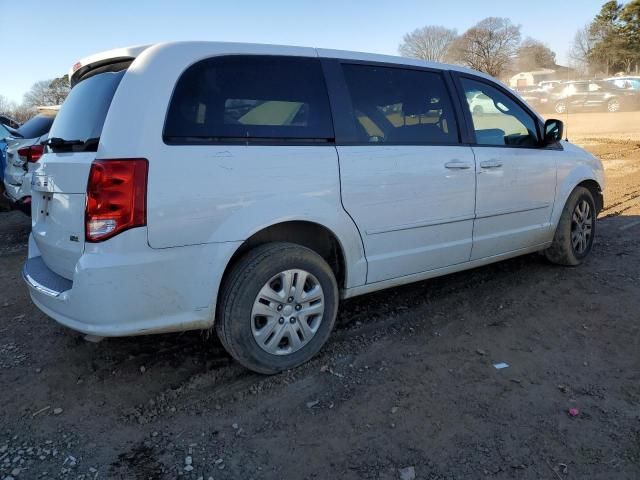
(41, 44)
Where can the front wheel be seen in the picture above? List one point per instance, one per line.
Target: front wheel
(277, 307)
(574, 236)
(560, 107)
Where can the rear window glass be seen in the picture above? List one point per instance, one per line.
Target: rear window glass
(239, 98)
(82, 114)
(36, 126)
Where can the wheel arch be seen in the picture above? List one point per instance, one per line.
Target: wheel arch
(578, 179)
(315, 236)
(596, 191)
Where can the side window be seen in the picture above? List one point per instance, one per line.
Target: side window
(400, 106)
(497, 119)
(239, 98)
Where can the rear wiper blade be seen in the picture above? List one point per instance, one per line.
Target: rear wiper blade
(61, 142)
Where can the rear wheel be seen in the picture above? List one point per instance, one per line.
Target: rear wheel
(613, 105)
(478, 110)
(574, 236)
(277, 307)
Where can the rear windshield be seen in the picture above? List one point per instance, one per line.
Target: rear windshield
(36, 126)
(83, 112)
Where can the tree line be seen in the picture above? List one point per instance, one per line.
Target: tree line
(493, 45)
(607, 45)
(41, 94)
(610, 43)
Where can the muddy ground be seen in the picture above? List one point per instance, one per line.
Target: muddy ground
(407, 379)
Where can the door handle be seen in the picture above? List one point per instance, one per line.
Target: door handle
(491, 164)
(457, 165)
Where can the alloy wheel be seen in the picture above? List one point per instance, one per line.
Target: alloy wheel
(287, 312)
(613, 106)
(581, 227)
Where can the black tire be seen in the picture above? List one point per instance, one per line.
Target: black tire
(239, 292)
(562, 250)
(560, 107)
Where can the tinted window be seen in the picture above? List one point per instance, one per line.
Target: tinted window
(580, 87)
(237, 98)
(394, 105)
(82, 114)
(497, 119)
(36, 126)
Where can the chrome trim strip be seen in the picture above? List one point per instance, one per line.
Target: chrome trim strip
(410, 226)
(497, 213)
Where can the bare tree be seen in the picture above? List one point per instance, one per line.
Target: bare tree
(428, 43)
(489, 46)
(533, 55)
(6, 106)
(47, 92)
(582, 47)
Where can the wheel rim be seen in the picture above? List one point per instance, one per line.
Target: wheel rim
(287, 312)
(613, 106)
(581, 227)
(560, 107)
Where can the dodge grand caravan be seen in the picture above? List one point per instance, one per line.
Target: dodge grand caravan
(247, 188)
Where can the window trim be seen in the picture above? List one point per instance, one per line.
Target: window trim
(457, 76)
(170, 140)
(342, 104)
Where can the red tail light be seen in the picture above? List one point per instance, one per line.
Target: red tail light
(116, 197)
(32, 153)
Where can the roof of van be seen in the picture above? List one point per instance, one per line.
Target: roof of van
(134, 51)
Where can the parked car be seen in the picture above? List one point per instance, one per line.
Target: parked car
(9, 122)
(247, 188)
(5, 133)
(536, 97)
(22, 154)
(549, 84)
(628, 82)
(479, 103)
(591, 95)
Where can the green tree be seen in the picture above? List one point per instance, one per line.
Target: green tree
(630, 17)
(612, 49)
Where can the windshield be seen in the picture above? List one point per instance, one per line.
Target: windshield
(36, 126)
(82, 114)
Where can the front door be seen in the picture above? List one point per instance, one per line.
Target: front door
(516, 178)
(406, 180)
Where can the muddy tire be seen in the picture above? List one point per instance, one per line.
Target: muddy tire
(277, 307)
(576, 230)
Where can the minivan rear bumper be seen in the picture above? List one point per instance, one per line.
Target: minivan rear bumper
(140, 292)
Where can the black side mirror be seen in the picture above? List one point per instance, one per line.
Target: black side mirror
(553, 131)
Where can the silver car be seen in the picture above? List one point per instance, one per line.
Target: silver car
(23, 152)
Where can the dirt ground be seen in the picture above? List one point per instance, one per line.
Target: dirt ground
(406, 382)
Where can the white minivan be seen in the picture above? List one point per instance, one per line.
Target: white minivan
(247, 188)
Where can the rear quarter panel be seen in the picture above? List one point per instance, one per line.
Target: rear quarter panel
(220, 193)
